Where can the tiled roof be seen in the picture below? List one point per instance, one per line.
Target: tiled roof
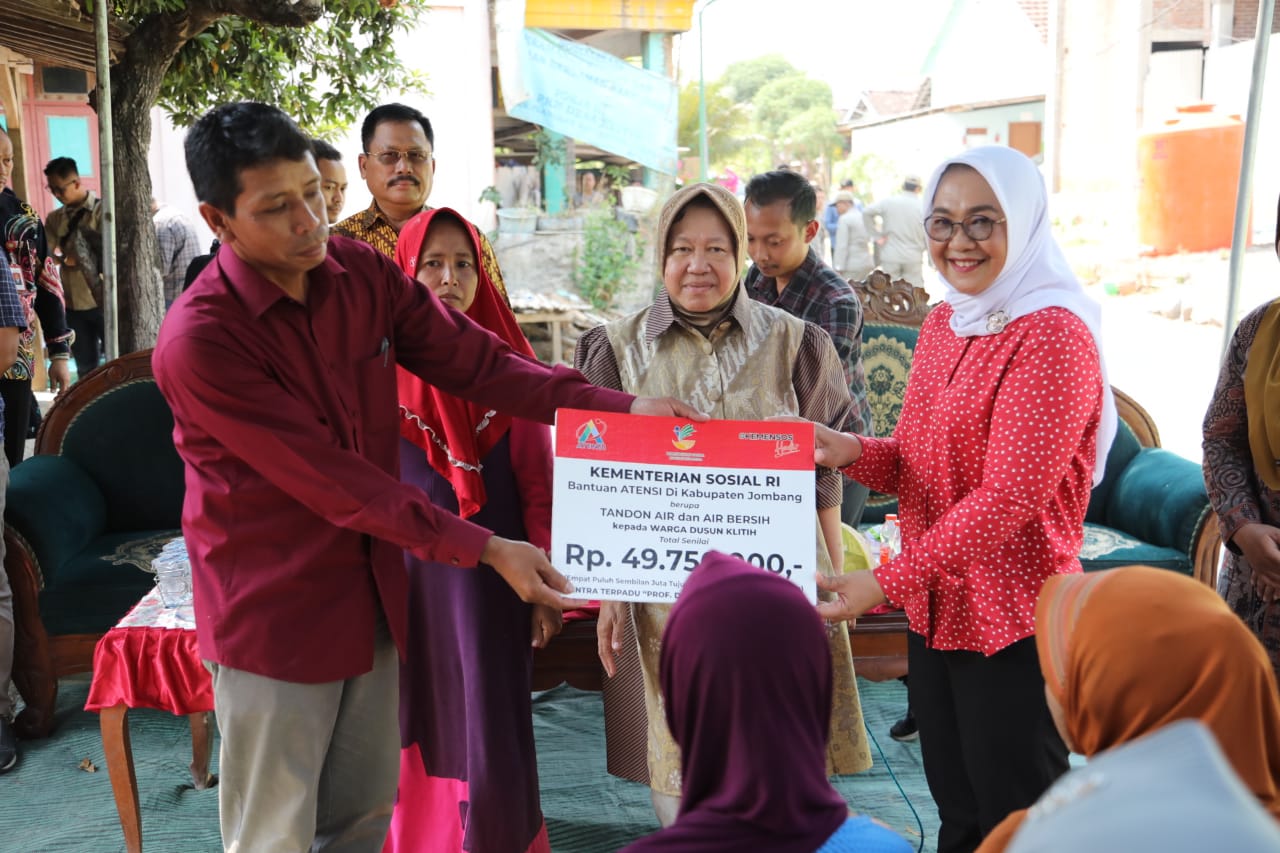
(1037, 11)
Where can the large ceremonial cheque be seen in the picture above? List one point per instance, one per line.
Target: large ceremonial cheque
(638, 501)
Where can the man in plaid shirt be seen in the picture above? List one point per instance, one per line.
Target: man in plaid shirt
(13, 321)
(788, 274)
(179, 244)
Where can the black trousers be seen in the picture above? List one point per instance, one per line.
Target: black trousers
(988, 743)
(90, 331)
(18, 401)
(853, 502)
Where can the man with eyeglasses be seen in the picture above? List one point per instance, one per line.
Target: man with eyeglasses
(398, 165)
(75, 231)
(898, 232)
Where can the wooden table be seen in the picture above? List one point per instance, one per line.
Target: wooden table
(556, 320)
(150, 660)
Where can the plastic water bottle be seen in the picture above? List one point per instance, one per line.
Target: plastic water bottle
(890, 539)
(173, 574)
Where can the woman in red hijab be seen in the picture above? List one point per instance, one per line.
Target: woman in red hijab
(468, 772)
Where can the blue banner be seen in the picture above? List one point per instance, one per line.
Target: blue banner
(594, 97)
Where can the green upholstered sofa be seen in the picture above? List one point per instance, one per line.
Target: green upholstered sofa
(84, 517)
(88, 512)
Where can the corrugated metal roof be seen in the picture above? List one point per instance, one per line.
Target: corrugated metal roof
(54, 32)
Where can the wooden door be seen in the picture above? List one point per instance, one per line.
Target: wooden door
(1024, 136)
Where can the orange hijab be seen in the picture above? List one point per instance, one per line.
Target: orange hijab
(456, 434)
(1130, 650)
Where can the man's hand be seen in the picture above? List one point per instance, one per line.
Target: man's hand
(1260, 544)
(831, 449)
(59, 375)
(609, 628)
(546, 623)
(667, 407)
(527, 570)
(855, 594)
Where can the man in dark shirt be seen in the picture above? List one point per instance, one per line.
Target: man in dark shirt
(279, 364)
(788, 274)
(40, 292)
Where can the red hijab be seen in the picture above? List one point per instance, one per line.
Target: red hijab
(747, 682)
(456, 434)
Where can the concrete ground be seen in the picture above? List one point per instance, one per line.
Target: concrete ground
(1163, 332)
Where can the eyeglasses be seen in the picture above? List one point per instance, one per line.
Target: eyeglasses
(391, 157)
(58, 191)
(977, 227)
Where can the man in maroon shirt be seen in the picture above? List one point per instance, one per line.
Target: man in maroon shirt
(279, 364)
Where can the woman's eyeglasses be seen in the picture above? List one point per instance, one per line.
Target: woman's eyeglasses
(977, 227)
(391, 157)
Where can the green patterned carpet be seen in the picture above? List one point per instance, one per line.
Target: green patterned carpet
(49, 805)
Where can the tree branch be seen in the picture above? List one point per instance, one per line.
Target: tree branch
(280, 13)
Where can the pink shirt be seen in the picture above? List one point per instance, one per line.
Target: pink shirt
(992, 461)
(287, 419)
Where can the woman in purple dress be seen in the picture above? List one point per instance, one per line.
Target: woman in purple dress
(468, 771)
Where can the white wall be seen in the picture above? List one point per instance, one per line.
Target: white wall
(1098, 112)
(452, 49)
(918, 145)
(169, 180)
(1173, 80)
(991, 53)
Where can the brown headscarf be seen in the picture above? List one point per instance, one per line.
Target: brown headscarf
(1130, 650)
(731, 209)
(1262, 390)
(1262, 397)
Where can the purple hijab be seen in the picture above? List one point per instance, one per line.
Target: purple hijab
(746, 676)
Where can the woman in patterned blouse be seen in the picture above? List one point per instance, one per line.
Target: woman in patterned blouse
(1006, 412)
(1242, 471)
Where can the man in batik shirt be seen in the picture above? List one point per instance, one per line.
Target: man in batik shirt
(39, 287)
(398, 165)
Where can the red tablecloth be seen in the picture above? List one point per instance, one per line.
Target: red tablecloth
(150, 660)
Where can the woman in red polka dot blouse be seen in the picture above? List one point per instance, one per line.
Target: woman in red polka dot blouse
(1006, 412)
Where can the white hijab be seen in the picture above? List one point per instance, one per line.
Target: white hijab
(1036, 274)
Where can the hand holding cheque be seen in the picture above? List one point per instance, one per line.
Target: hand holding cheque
(857, 592)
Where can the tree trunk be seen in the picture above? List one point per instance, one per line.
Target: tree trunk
(139, 292)
(135, 87)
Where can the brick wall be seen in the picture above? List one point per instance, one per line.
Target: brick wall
(1181, 14)
(1244, 24)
